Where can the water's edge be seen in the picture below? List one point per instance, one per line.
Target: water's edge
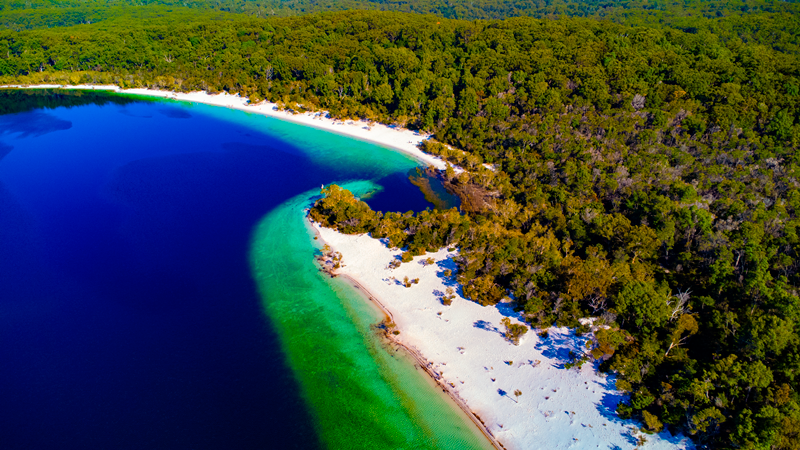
(417, 359)
(361, 393)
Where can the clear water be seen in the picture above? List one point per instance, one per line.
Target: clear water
(141, 245)
(363, 394)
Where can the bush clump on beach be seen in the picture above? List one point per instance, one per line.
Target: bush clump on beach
(651, 421)
(341, 210)
(514, 331)
(408, 282)
(449, 296)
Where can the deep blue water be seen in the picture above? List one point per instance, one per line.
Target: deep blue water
(128, 317)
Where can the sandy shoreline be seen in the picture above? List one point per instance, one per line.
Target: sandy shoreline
(463, 348)
(397, 138)
(423, 363)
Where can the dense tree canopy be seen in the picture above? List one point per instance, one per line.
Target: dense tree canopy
(642, 174)
(770, 22)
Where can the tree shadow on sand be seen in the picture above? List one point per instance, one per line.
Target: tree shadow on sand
(561, 347)
(608, 409)
(441, 272)
(484, 325)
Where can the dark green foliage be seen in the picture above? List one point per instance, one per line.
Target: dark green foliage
(339, 209)
(675, 223)
(775, 24)
(642, 304)
(13, 101)
(59, 15)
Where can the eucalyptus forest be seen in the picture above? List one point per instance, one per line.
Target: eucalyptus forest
(632, 162)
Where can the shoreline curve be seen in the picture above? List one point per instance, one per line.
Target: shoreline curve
(422, 362)
(394, 137)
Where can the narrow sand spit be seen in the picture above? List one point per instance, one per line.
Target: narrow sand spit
(463, 347)
(397, 138)
(421, 362)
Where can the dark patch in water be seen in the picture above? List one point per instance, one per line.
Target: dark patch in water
(127, 112)
(432, 188)
(387, 199)
(34, 123)
(14, 101)
(5, 149)
(174, 113)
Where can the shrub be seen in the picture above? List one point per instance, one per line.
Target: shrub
(447, 298)
(544, 334)
(652, 422)
(514, 331)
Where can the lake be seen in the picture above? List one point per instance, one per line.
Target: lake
(158, 288)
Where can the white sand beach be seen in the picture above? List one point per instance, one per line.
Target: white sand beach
(397, 138)
(464, 345)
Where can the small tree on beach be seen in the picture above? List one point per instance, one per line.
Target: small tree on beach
(514, 331)
(447, 298)
(407, 282)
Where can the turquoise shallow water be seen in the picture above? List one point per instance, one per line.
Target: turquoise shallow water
(159, 291)
(363, 393)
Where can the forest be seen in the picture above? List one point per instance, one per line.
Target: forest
(634, 163)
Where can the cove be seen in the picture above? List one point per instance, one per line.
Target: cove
(141, 243)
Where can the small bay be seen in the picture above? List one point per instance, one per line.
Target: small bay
(141, 243)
